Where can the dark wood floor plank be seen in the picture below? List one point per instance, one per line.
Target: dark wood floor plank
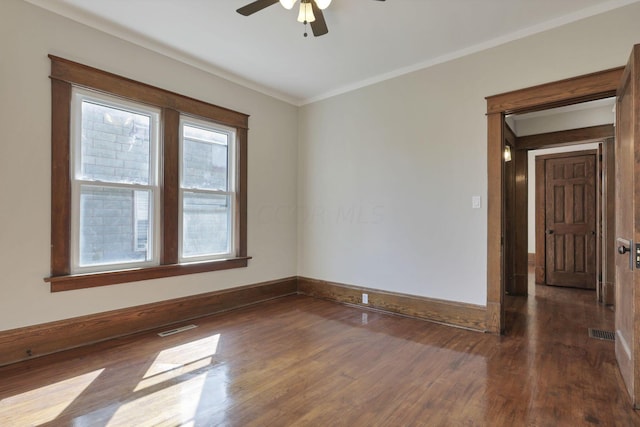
(300, 361)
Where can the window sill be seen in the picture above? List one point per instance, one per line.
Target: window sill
(91, 280)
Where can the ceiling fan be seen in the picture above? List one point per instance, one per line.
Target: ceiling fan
(310, 12)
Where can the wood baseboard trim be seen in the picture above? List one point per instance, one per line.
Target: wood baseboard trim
(33, 341)
(26, 343)
(456, 314)
(531, 258)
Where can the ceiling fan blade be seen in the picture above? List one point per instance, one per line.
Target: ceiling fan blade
(319, 26)
(256, 6)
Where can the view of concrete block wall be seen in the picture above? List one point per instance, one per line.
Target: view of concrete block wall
(115, 149)
(206, 216)
(205, 224)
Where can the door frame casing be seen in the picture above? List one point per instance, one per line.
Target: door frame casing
(604, 136)
(510, 208)
(584, 88)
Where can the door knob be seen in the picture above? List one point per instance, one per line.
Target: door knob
(625, 246)
(549, 231)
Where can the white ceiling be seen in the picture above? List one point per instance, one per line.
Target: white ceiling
(368, 40)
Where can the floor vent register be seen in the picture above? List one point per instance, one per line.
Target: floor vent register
(602, 335)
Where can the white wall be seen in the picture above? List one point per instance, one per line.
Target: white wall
(411, 152)
(27, 35)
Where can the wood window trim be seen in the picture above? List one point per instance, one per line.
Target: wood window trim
(64, 76)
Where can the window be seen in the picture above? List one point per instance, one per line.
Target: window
(146, 183)
(114, 190)
(207, 188)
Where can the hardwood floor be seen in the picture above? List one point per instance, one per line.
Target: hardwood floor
(299, 361)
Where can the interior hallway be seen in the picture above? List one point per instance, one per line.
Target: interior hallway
(298, 361)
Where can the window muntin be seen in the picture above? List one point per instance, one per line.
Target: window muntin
(207, 191)
(114, 185)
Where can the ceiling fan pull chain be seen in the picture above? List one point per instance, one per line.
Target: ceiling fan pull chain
(305, 28)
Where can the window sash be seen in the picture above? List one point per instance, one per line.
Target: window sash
(79, 181)
(229, 229)
(152, 254)
(231, 234)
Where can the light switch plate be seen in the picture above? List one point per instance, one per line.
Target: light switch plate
(476, 202)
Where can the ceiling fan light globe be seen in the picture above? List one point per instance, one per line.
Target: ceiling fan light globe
(306, 13)
(323, 4)
(287, 4)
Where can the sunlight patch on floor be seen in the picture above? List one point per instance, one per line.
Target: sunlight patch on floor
(170, 405)
(180, 360)
(44, 404)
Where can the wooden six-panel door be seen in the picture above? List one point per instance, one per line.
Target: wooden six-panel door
(570, 220)
(627, 159)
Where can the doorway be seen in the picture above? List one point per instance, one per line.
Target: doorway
(624, 83)
(566, 183)
(566, 92)
(555, 132)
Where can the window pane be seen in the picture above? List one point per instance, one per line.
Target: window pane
(205, 159)
(206, 224)
(114, 225)
(115, 145)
